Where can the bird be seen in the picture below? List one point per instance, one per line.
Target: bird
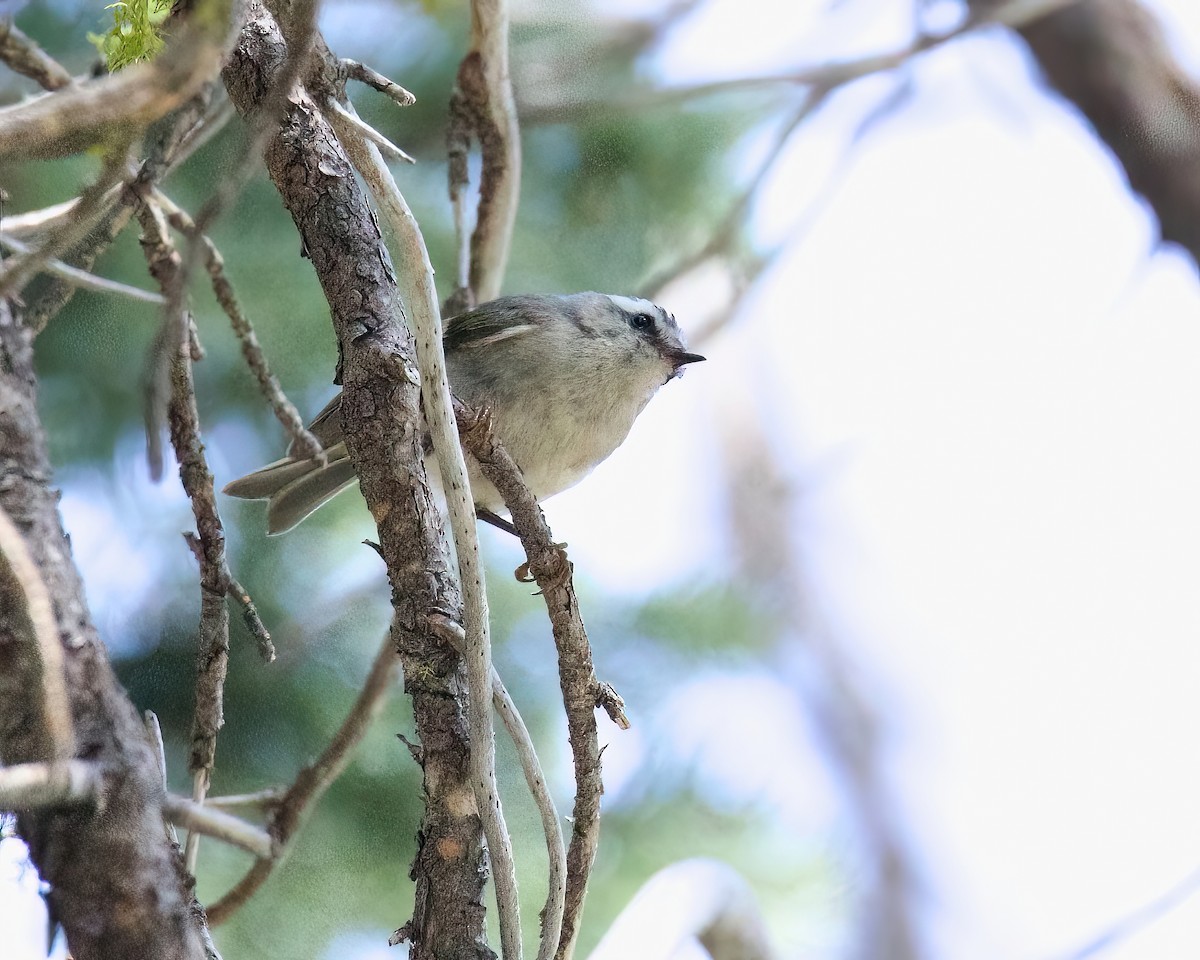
(564, 376)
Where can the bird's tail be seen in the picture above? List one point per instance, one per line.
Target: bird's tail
(294, 488)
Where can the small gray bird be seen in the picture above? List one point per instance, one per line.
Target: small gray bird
(564, 378)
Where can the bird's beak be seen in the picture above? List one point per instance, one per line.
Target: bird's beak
(680, 359)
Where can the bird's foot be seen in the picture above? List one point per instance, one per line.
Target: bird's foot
(553, 565)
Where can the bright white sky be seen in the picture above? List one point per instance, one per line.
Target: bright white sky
(979, 332)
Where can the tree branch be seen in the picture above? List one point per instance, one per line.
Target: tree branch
(288, 812)
(28, 59)
(80, 115)
(94, 202)
(35, 786)
(1110, 59)
(380, 413)
(826, 76)
(482, 108)
(198, 819)
(82, 279)
(372, 78)
(582, 692)
(419, 294)
(99, 865)
(303, 443)
(535, 780)
(212, 653)
(33, 618)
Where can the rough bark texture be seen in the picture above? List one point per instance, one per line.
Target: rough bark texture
(1109, 58)
(117, 885)
(380, 417)
(581, 691)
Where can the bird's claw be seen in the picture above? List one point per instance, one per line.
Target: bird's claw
(558, 574)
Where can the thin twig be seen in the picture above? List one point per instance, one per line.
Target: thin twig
(389, 88)
(724, 314)
(263, 125)
(83, 280)
(293, 808)
(213, 645)
(303, 443)
(1014, 13)
(32, 786)
(199, 819)
(93, 203)
(189, 127)
(535, 780)
(40, 626)
(240, 831)
(722, 239)
(234, 589)
(252, 620)
(459, 128)
(722, 235)
(483, 108)
(1139, 919)
(154, 735)
(34, 223)
(577, 678)
(24, 56)
(259, 798)
(420, 296)
(383, 143)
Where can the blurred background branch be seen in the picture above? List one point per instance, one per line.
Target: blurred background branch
(1111, 60)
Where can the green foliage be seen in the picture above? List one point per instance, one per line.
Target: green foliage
(134, 36)
(717, 619)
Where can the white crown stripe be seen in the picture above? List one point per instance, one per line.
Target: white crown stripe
(633, 304)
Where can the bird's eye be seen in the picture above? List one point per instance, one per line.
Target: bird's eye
(641, 321)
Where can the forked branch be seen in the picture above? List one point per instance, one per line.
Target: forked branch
(582, 692)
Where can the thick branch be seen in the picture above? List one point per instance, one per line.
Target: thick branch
(115, 881)
(81, 115)
(1111, 60)
(380, 413)
(419, 294)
